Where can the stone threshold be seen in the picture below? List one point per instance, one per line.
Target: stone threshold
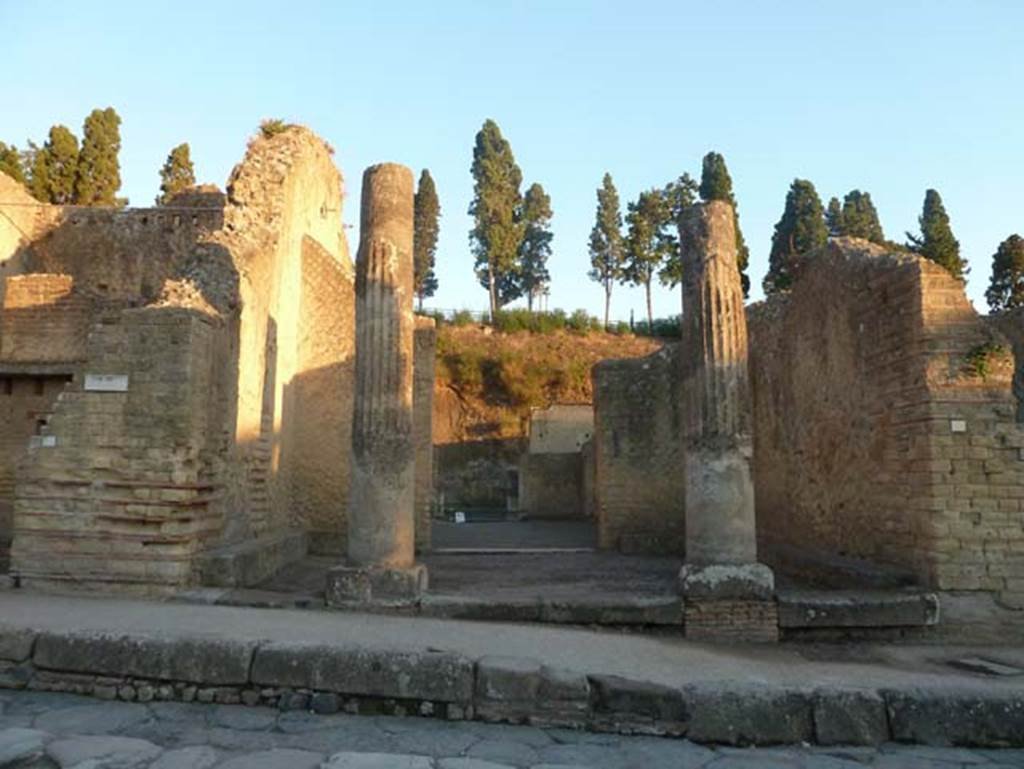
(326, 678)
(808, 614)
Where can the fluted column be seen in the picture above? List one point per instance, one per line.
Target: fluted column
(381, 523)
(721, 533)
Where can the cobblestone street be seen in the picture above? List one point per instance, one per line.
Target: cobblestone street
(42, 730)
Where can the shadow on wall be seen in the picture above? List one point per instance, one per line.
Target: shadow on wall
(479, 475)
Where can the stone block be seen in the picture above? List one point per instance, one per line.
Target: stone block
(458, 607)
(435, 676)
(849, 717)
(748, 715)
(248, 563)
(991, 719)
(21, 747)
(105, 750)
(632, 611)
(15, 675)
(816, 609)
(208, 661)
(16, 644)
(348, 585)
(622, 704)
(747, 581)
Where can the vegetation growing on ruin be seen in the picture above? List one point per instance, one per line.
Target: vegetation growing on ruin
(980, 359)
(273, 126)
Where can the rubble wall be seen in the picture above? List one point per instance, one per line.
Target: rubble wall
(638, 467)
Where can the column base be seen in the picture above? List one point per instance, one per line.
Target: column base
(717, 581)
(349, 585)
(729, 602)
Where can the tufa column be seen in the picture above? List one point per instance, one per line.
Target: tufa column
(721, 535)
(381, 522)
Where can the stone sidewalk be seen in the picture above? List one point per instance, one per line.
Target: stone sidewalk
(602, 681)
(46, 731)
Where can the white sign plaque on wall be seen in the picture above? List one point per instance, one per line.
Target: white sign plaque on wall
(106, 383)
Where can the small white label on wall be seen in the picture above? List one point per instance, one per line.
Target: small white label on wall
(957, 425)
(106, 383)
(460, 517)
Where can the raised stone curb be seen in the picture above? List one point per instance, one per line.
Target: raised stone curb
(326, 679)
(438, 676)
(208, 661)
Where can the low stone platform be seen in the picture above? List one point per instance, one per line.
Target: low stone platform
(541, 675)
(252, 561)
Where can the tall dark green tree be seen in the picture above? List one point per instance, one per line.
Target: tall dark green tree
(10, 162)
(607, 251)
(860, 219)
(54, 167)
(834, 217)
(426, 227)
(536, 245)
(38, 181)
(1006, 289)
(716, 184)
(496, 206)
(177, 174)
(99, 170)
(649, 242)
(680, 194)
(936, 241)
(801, 229)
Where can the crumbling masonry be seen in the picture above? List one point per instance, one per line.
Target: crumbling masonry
(177, 382)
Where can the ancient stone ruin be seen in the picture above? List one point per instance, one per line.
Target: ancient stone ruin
(200, 394)
(179, 380)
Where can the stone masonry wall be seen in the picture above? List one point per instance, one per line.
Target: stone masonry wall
(115, 490)
(638, 476)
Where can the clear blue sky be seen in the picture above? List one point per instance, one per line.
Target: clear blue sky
(891, 97)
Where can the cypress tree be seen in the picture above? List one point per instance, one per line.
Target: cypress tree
(801, 229)
(1006, 290)
(936, 241)
(680, 195)
(716, 184)
(426, 226)
(834, 217)
(177, 174)
(99, 172)
(606, 247)
(38, 172)
(647, 244)
(860, 219)
(10, 162)
(536, 246)
(55, 167)
(496, 206)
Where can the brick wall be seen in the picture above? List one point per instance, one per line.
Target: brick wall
(25, 403)
(318, 402)
(123, 495)
(43, 320)
(872, 438)
(638, 471)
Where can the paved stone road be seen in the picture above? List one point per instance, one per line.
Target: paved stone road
(46, 731)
